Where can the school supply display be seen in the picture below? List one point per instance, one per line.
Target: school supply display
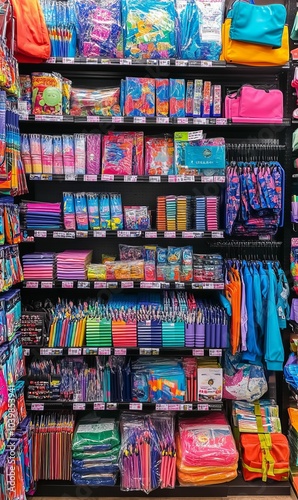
(95, 102)
(61, 25)
(209, 380)
(33, 327)
(254, 198)
(52, 435)
(253, 54)
(206, 451)
(242, 380)
(95, 450)
(257, 293)
(197, 155)
(46, 94)
(72, 264)
(182, 213)
(40, 215)
(148, 452)
(10, 231)
(265, 456)
(259, 417)
(11, 271)
(38, 265)
(254, 105)
(10, 315)
(12, 175)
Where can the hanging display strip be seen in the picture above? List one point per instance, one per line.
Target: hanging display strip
(136, 62)
(99, 406)
(107, 351)
(146, 120)
(63, 234)
(146, 285)
(128, 178)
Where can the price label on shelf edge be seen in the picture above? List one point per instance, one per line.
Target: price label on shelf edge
(46, 284)
(154, 178)
(120, 351)
(104, 351)
(202, 407)
(90, 178)
(215, 352)
(79, 406)
(162, 119)
(100, 284)
(130, 178)
(31, 284)
(136, 406)
(99, 234)
(127, 284)
(74, 351)
(37, 406)
(198, 352)
(107, 177)
(83, 284)
(99, 406)
(40, 234)
(164, 62)
(67, 284)
(117, 119)
(150, 234)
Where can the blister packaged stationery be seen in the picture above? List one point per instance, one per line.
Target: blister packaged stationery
(96, 102)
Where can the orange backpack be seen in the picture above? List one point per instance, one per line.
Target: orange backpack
(32, 42)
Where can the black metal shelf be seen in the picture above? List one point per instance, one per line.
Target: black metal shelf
(129, 284)
(40, 405)
(121, 351)
(236, 487)
(151, 179)
(157, 121)
(28, 234)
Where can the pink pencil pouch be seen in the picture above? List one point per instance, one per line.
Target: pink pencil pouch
(254, 105)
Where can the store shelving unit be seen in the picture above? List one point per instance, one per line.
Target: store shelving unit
(50, 187)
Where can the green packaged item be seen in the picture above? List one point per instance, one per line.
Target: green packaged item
(95, 434)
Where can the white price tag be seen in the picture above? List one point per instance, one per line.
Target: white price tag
(170, 234)
(83, 284)
(196, 135)
(99, 406)
(152, 62)
(150, 284)
(185, 178)
(188, 234)
(104, 351)
(74, 351)
(125, 62)
(198, 352)
(46, 284)
(79, 406)
(99, 234)
(117, 119)
(40, 234)
(120, 351)
(203, 407)
(164, 62)
(182, 121)
(217, 234)
(51, 60)
(206, 179)
(150, 234)
(221, 121)
(90, 178)
(200, 121)
(67, 284)
(26, 352)
(51, 351)
(129, 234)
(161, 407)
(130, 178)
(215, 352)
(127, 284)
(81, 234)
(31, 284)
(145, 351)
(68, 60)
(67, 235)
(93, 119)
(135, 406)
(106, 61)
(111, 406)
(174, 407)
(139, 119)
(206, 64)
(91, 60)
(172, 178)
(162, 119)
(219, 178)
(154, 178)
(181, 62)
(107, 177)
(179, 285)
(100, 284)
(186, 407)
(48, 118)
(37, 406)
(70, 177)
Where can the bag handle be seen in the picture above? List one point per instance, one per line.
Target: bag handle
(252, 2)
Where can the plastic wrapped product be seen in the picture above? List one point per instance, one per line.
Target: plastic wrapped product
(93, 154)
(46, 94)
(189, 29)
(177, 97)
(149, 29)
(162, 96)
(140, 97)
(137, 218)
(95, 434)
(117, 154)
(159, 155)
(97, 102)
(100, 30)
